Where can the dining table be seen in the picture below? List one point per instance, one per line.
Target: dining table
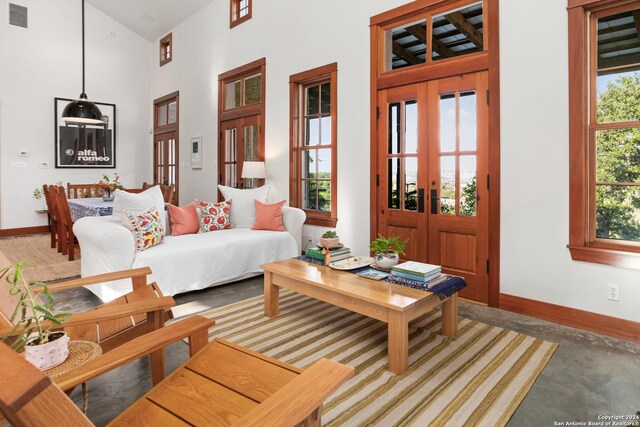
(89, 206)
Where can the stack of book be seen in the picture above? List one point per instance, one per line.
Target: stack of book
(336, 254)
(428, 274)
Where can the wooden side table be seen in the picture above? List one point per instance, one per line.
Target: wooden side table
(80, 352)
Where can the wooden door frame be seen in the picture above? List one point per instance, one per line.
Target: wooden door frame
(488, 60)
(169, 128)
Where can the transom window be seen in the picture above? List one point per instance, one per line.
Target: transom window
(313, 144)
(450, 33)
(243, 92)
(166, 49)
(240, 11)
(605, 134)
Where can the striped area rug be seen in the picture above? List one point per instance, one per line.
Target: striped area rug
(477, 378)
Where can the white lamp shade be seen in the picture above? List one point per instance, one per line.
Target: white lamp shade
(253, 170)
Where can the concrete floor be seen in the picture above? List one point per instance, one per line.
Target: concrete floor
(590, 375)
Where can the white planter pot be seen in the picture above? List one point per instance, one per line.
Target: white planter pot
(330, 242)
(49, 355)
(386, 260)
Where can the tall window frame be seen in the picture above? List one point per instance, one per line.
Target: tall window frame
(240, 11)
(240, 115)
(298, 84)
(584, 244)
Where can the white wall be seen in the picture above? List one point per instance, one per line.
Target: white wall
(43, 62)
(296, 36)
(535, 261)
(293, 37)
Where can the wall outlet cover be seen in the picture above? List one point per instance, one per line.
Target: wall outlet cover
(613, 292)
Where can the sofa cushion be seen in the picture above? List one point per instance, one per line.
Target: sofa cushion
(269, 216)
(215, 216)
(146, 227)
(183, 220)
(243, 212)
(150, 198)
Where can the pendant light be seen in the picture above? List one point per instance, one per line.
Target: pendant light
(82, 112)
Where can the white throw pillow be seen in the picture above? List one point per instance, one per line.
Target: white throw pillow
(151, 198)
(243, 210)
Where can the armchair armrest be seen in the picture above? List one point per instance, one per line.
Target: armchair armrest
(102, 314)
(294, 402)
(138, 277)
(293, 219)
(194, 327)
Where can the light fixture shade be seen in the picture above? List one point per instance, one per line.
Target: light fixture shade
(82, 111)
(253, 170)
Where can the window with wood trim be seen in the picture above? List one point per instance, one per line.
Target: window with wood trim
(455, 30)
(313, 144)
(605, 132)
(240, 12)
(166, 49)
(241, 122)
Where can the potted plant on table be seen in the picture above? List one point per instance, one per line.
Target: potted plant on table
(330, 240)
(106, 187)
(34, 320)
(387, 251)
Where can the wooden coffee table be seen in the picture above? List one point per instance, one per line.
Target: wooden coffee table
(394, 304)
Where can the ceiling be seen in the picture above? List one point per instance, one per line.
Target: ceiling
(151, 19)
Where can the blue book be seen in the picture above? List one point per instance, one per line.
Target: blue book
(414, 277)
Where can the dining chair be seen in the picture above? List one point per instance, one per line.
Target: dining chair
(167, 190)
(65, 224)
(80, 191)
(53, 215)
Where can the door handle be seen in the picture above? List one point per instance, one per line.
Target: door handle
(434, 201)
(420, 200)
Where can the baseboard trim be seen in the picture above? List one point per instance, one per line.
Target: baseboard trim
(24, 231)
(586, 320)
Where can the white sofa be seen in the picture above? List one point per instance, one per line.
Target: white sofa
(188, 262)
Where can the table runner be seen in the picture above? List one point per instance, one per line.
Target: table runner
(91, 206)
(443, 290)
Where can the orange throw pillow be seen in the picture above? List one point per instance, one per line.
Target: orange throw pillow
(269, 216)
(183, 220)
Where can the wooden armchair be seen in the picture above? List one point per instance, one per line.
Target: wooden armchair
(113, 324)
(80, 191)
(28, 397)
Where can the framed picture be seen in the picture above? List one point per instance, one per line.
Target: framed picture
(196, 153)
(85, 147)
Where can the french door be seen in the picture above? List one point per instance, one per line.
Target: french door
(165, 161)
(433, 172)
(239, 142)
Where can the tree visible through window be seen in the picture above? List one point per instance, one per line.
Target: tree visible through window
(605, 132)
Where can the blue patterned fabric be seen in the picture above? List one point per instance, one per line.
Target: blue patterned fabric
(93, 206)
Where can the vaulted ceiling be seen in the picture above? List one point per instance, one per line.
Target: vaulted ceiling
(151, 19)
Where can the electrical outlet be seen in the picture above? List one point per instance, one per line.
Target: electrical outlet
(307, 240)
(44, 165)
(613, 292)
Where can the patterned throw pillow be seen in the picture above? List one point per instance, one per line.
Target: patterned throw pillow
(146, 227)
(215, 216)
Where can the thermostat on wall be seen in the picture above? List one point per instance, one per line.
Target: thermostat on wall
(196, 153)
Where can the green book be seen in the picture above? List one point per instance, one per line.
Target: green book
(417, 268)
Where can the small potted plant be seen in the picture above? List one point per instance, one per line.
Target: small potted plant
(106, 187)
(330, 240)
(387, 251)
(34, 320)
